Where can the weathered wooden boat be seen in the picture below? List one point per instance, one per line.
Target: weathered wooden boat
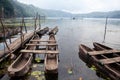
(15, 45)
(110, 62)
(83, 53)
(99, 46)
(51, 60)
(43, 31)
(54, 31)
(22, 64)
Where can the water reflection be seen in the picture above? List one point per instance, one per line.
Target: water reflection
(51, 76)
(92, 67)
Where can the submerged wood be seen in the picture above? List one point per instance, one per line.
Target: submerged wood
(22, 64)
(111, 61)
(51, 60)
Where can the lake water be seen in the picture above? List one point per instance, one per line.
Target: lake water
(72, 33)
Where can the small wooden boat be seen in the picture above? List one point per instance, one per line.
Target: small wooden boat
(51, 60)
(110, 62)
(99, 46)
(22, 64)
(14, 46)
(54, 31)
(83, 53)
(43, 31)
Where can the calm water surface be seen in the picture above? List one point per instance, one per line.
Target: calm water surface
(72, 33)
(86, 31)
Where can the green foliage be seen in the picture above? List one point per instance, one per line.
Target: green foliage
(6, 8)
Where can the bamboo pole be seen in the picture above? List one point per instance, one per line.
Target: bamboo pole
(39, 22)
(105, 29)
(21, 35)
(23, 22)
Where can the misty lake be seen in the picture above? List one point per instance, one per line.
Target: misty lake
(72, 33)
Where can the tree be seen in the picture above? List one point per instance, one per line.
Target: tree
(6, 8)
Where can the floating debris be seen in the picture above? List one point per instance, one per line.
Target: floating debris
(34, 65)
(93, 68)
(70, 71)
(38, 60)
(38, 75)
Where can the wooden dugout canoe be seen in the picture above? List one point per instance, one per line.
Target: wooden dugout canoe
(14, 46)
(22, 64)
(43, 31)
(51, 60)
(110, 62)
(54, 31)
(83, 53)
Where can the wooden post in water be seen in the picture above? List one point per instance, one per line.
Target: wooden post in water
(4, 34)
(23, 22)
(39, 22)
(21, 36)
(35, 22)
(105, 29)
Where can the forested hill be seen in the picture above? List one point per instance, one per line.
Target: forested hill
(6, 8)
(17, 9)
(13, 8)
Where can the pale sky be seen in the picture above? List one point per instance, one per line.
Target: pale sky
(76, 6)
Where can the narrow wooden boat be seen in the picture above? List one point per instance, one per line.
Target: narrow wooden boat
(111, 68)
(83, 53)
(54, 31)
(99, 46)
(14, 46)
(43, 31)
(51, 60)
(22, 64)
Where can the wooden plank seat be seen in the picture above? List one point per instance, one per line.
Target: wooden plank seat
(51, 44)
(93, 53)
(40, 51)
(110, 60)
(37, 40)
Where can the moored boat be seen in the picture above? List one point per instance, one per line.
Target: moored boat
(111, 62)
(22, 64)
(43, 31)
(54, 31)
(51, 60)
(83, 53)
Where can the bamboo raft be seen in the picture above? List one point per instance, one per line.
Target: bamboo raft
(106, 59)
